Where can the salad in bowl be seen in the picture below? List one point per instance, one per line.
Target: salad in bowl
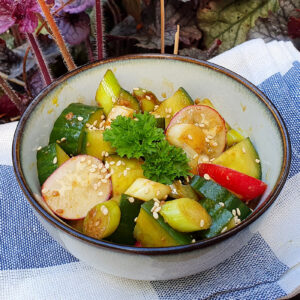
(133, 170)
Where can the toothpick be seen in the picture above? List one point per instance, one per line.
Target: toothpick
(14, 80)
(176, 43)
(162, 26)
(57, 36)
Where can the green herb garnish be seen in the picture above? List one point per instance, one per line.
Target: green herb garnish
(140, 137)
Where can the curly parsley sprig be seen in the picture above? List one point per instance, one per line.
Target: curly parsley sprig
(141, 138)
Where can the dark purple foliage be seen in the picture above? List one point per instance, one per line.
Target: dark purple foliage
(76, 6)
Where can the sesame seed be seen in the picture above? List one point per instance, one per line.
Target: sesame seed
(135, 89)
(206, 176)
(221, 204)
(95, 123)
(195, 156)
(170, 110)
(125, 172)
(144, 91)
(166, 110)
(97, 223)
(193, 241)
(63, 139)
(83, 159)
(202, 223)
(106, 165)
(55, 160)
(123, 163)
(92, 170)
(80, 119)
(209, 136)
(257, 161)
(215, 144)
(106, 154)
(156, 204)
(104, 170)
(224, 229)
(94, 166)
(45, 191)
(113, 99)
(128, 169)
(157, 209)
(58, 141)
(119, 163)
(234, 212)
(104, 180)
(112, 163)
(148, 97)
(102, 153)
(95, 186)
(244, 150)
(39, 148)
(157, 116)
(238, 212)
(112, 171)
(212, 159)
(206, 140)
(89, 162)
(135, 219)
(157, 193)
(87, 125)
(131, 199)
(156, 200)
(104, 210)
(190, 137)
(100, 193)
(168, 116)
(102, 117)
(135, 119)
(108, 176)
(201, 125)
(155, 215)
(156, 107)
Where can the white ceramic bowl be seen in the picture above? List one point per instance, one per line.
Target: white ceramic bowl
(238, 101)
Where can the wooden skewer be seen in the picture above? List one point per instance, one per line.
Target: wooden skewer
(162, 26)
(176, 43)
(57, 36)
(14, 80)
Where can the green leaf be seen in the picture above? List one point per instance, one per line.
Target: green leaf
(231, 20)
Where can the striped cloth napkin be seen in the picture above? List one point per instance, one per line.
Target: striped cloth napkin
(34, 266)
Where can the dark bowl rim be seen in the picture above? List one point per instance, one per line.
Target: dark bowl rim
(159, 250)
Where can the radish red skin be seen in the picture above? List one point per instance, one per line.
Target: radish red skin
(244, 186)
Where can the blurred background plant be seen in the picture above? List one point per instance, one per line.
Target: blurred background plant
(207, 28)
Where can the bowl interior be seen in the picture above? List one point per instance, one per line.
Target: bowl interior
(238, 102)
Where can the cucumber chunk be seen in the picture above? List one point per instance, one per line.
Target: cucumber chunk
(126, 99)
(94, 144)
(124, 172)
(179, 190)
(169, 107)
(145, 189)
(241, 157)
(215, 192)
(108, 91)
(102, 220)
(153, 232)
(77, 186)
(119, 110)
(233, 137)
(146, 99)
(49, 158)
(129, 211)
(185, 215)
(69, 126)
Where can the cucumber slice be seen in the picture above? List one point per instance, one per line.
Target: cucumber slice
(119, 111)
(102, 220)
(124, 172)
(126, 99)
(76, 187)
(49, 158)
(233, 137)
(69, 126)
(146, 99)
(129, 211)
(156, 232)
(108, 91)
(179, 190)
(213, 191)
(185, 215)
(94, 144)
(241, 157)
(145, 189)
(169, 107)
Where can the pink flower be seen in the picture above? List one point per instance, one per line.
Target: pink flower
(21, 12)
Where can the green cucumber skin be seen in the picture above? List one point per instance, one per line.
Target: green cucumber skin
(215, 192)
(45, 165)
(126, 96)
(129, 211)
(179, 237)
(72, 129)
(188, 97)
(160, 123)
(220, 218)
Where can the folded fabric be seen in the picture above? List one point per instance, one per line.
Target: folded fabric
(267, 266)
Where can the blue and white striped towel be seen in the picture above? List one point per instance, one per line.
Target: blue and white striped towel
(34, 266)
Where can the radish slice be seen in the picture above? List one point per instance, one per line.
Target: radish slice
(76, 187)
(201, 128)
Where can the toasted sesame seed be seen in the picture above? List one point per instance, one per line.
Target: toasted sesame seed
(97, 223)
(195, 156)
(92, 170)
(102, 117)
(221, 204)
(202, 223)
(244, 150)
(104, 170)
(135, 219)
(108, 176)
(155, 215)
(118, 163)
(190, 137)
(193, 241)
(128, 169)
(83, 159)
(106, 154)
(80, 119)
(55, 160)
(135, 89)
(215, 144)
(123, 163)
(144, 91)
(224, 229)
(206, 176)
(87, 125)
(166, 110)
(113, 99)
(125, 172)
(63, 139)
(94, 166)
(257, 161)
(157, 116)
(234, 212)
(112, 163)
(207, 140)
(156, 200)
(102, 153)
(201, 125)
(58, 141)
(131, 199)
(95, 123)
(157, 193)
(156, 107)
(148, 97)
(112, 171)
(146, 190)
(209, 136)
(212, 159)
(104, 180)
(106, 165)
(156, 204)
(95, 186)
(238, 212)
(168, 116)
(39, 148)
(104, 210)
(89, 162)
(157, 209)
